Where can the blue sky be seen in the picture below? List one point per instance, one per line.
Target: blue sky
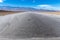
(32, 3)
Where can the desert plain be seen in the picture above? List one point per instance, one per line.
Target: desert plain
(28, 15)
(11, 12)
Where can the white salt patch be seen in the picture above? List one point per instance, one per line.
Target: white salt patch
(28, 24)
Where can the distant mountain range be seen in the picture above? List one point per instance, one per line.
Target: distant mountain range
(9, 8)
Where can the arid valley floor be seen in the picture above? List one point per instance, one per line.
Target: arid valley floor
(9, 12)
(30, 20)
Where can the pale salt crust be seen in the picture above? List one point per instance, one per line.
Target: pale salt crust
(10, 23)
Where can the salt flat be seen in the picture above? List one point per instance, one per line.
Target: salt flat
(34, 26)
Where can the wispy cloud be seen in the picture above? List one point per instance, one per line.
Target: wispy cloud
(48, 7)
(1, 1)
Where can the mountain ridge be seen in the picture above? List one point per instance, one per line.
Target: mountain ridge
(9, 8)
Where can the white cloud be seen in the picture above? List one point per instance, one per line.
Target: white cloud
(47, 7)
(1, 1)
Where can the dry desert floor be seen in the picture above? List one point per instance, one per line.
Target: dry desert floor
(9, 12)
(55, 13)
